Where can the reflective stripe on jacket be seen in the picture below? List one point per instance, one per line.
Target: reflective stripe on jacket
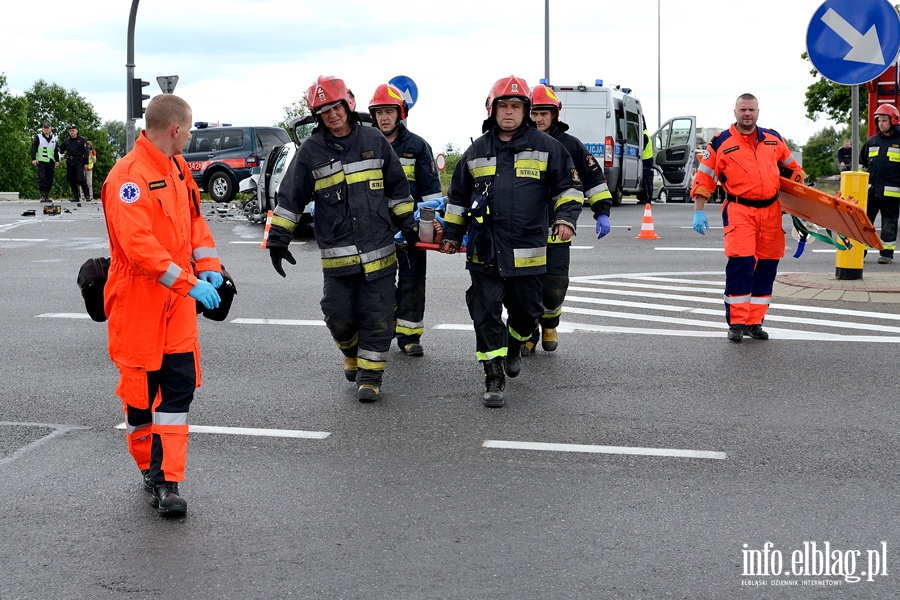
(417, 161)
(362, 198)
(526, 183)
(880, 156)
(158, 240)
(44, 150)
(743, 171)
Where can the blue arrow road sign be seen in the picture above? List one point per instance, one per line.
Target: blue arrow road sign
(853, 41)
(408, 87)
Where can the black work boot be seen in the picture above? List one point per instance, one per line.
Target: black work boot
(736, 333)
(166, 500)
(756, 332)
(146, 481)
(494, 382)
(513, 357)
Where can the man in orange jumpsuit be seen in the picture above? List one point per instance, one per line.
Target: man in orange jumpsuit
(745, 160)
(158, 239)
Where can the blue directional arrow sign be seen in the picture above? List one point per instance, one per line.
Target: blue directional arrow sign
(408, 87)
(853, 41)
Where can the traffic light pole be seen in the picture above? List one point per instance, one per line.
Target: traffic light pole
(129, 68)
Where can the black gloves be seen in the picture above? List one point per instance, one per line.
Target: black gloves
(277, 254)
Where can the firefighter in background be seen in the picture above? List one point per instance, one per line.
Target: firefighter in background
(158, 239)
(545, 109)
(75, 149)
(388, 110)
(880, 156)
(510, 183)
(361, 197)
(746, 159)
(45, 156)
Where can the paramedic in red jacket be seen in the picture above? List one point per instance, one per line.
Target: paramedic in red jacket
(158, 240)
(745, 160)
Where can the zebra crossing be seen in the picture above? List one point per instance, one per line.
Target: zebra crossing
(691, 305)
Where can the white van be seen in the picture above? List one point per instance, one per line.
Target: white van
(608, 121)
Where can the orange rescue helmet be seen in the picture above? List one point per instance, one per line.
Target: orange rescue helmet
(888, 110)
(387, 95)
(508, 87)
(543, 97)
(326, 91)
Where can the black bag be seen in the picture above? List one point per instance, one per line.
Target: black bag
(91, 280)
(227, 292)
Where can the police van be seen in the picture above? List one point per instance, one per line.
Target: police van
(609, 121)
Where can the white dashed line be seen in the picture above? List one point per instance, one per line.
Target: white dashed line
(509, 445)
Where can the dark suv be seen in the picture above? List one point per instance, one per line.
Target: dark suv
(219, 157)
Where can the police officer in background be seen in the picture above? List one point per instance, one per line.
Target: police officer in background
(880, 156)
(545, 107)
(509, 184)
(75, 149)
(362, 198)
(388, 110)
(45, 156)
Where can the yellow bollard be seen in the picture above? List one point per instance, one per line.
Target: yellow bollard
(848, 264)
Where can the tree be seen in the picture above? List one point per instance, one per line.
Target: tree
(17, 174)
(451, 156)
(115, 136)
(296, 110)
(820, 154)
(832, 99)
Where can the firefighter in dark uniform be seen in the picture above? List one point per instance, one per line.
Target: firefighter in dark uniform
(75, 149)
(45, 156)
(509, 184)
(388, 110)
(880, 156)
(545, 108)
(362, 198)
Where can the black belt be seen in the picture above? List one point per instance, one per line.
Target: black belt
(751, 203)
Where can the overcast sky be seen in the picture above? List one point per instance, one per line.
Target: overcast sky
(244, 61)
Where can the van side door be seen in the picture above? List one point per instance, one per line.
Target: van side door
(675, 156)
(632, 167)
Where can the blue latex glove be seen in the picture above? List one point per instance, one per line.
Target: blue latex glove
(602, 226)
(700, 222)
(205, 294)
(212, 277)
(312, 209)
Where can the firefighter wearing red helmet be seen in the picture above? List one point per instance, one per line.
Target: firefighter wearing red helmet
(880, 156)
(389, 109)
(362, 198)
(545, 109)
(746, 160)
(509, 184)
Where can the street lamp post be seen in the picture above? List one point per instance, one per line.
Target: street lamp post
(129, 69)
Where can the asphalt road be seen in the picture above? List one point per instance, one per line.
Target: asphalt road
(647, 458)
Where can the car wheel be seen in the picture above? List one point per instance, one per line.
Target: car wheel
(662, 197)
(221, 188)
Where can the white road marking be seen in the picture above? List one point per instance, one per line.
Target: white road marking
(64, 316)
(57, 431)
(277, 322)
(285, 433)
(548, 447)
(668, 249)
(23, 239)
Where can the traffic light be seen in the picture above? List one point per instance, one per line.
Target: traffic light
(138, 97)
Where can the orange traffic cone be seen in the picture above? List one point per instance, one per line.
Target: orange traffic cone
(647, 231)
(268, 227)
